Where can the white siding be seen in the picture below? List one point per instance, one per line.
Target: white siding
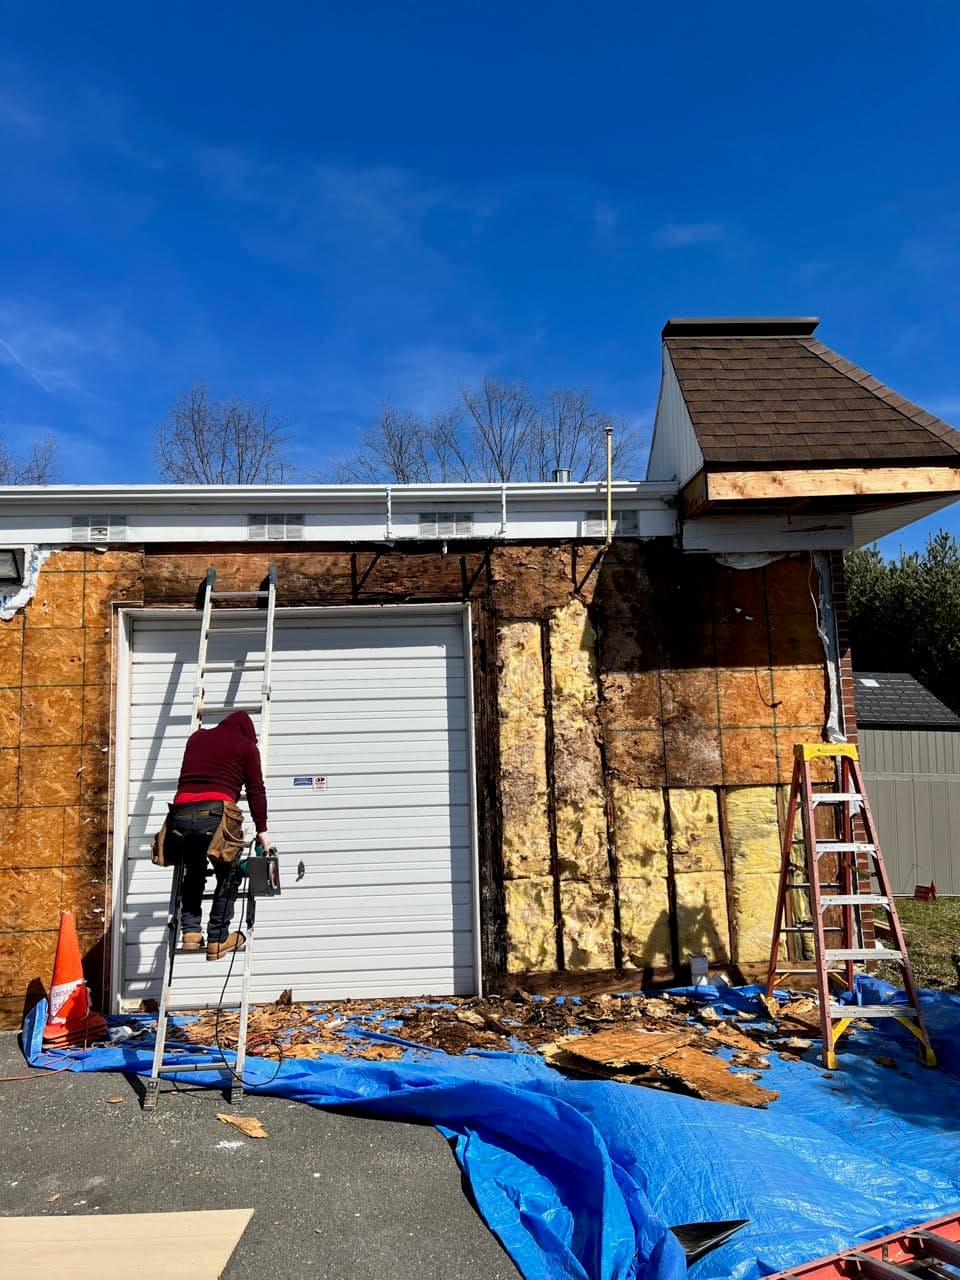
(375, 705)
(674, 451)
(913, 779)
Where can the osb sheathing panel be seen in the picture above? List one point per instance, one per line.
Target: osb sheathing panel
(11, 652)
(578, 776)
(644, 921)
(530, 582)
(53, 782)
(531, 933)
(523, 751)
(586, 910)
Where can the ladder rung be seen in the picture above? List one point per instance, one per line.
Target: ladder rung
(824, 884)
(871, 1010)
(236, 706)
(808, 928)
(835, 797)
(862, 953)
(168, 1069)
(237, 666)
(854, 899)
(237, 595)
(844, 846)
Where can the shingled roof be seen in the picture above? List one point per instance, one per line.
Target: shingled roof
(762, 391)
(895, 699)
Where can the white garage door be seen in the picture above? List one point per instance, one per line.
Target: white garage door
(372, 710)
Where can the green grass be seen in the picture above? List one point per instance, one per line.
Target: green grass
(932, 932)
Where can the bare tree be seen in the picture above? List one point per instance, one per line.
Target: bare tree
(497, 432)
(205, 441)
(503, 424)
(37, 466)
(393, 452)
(570, 435)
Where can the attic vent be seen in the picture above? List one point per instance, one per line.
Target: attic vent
(99, 529)
(446, 524)
(595, 523)
(274, 527)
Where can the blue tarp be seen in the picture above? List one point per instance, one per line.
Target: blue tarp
(580, 1179)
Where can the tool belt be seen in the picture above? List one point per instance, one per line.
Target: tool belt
(225, 844)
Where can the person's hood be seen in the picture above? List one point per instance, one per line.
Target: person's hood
(238, 722)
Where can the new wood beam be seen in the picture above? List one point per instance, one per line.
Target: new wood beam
(833, 482)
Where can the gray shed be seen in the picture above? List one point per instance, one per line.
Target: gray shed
(910, 752)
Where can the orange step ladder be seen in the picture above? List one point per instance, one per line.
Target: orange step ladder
(850, 894)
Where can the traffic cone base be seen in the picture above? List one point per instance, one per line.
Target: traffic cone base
(71, 1020)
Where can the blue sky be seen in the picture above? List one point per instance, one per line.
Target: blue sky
(333, 209)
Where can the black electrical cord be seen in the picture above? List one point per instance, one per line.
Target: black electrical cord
(223, 994)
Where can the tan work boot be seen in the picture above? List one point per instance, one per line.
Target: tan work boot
(235, 942)
(192, 942)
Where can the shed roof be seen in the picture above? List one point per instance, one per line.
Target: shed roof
(894, 698)
(764, 391)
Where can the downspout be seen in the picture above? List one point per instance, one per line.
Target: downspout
(609, 431)
(827, 630)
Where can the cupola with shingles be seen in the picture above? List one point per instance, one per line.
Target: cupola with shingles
(759, 410)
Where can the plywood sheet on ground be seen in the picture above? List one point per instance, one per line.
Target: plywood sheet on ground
(112, 1246)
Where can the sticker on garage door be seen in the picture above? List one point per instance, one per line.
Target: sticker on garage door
(317, 782)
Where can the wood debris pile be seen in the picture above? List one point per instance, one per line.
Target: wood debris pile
(664, 1041)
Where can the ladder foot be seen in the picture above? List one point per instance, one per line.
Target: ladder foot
(151, 1089)
(830, 1059)
(928, 1057)
(236, 1094)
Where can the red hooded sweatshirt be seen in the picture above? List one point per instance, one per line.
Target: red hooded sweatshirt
(219, 762)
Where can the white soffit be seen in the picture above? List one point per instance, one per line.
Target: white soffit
(868, 526)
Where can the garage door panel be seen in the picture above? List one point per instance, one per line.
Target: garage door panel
(376, 985)
(407, 753)
(378, 707)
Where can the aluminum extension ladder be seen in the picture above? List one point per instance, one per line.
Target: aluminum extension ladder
(170, 1065)
(858, 862)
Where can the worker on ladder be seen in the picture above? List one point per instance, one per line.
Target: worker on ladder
(204, 822)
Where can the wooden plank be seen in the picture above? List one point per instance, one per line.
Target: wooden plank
(151, 1246)
(619, 1048)
(707, 1077)
(825, 482)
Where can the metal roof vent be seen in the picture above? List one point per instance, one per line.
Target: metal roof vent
(561, 475)
(98, 529)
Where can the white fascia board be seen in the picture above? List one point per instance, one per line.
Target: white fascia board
(675, 453)
(332, 513)
(768, 533)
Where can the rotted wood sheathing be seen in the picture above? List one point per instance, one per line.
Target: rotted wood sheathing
(635, 714)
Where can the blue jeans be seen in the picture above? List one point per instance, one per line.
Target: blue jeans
(189, 828)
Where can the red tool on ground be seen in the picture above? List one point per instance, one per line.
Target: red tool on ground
(930, 1252)
(925, 892)
(71, 1019)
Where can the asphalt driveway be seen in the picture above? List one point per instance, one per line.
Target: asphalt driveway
(335, 1196)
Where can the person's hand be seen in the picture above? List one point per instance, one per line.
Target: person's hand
(263, 839)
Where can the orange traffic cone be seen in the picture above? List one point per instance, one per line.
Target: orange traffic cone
(71, 1020)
